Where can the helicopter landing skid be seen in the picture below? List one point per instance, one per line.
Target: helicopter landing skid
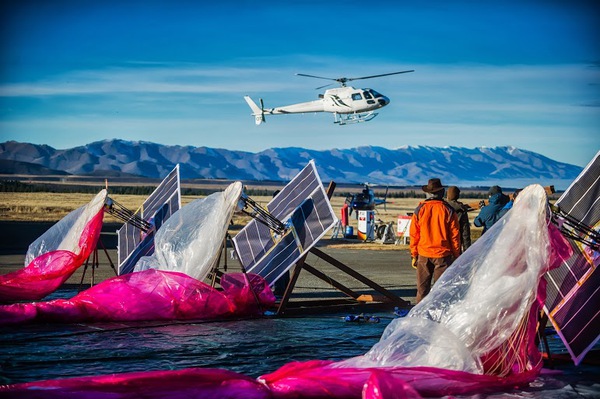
(346, 119)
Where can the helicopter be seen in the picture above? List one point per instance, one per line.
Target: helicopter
(348, 104)
(365, 200)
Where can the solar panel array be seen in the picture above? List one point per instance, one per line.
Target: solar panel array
(303, 206)
(573, 292)
(134, 243)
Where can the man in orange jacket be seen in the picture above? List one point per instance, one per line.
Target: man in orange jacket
(434, 237)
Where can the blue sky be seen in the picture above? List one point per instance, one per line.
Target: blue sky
(515, 72)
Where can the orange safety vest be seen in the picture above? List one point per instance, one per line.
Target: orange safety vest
(434, 230)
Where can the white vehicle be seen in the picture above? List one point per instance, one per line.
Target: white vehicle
(348, 104)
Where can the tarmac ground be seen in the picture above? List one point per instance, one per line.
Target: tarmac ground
(389, 268)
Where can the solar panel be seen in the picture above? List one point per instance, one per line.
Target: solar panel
(133, 242)
(573, 292)
(302, 205)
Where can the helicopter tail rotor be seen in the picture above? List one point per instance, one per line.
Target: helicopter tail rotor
(258, 113)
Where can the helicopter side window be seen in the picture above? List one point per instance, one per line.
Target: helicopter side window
(367, 95)
(356, 96)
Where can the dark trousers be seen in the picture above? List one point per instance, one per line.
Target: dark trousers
(429, 269)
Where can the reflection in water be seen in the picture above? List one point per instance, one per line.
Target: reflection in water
(251, 347)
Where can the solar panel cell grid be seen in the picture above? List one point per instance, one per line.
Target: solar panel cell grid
(163, 202)
(304, 207)
(573, 298)
(253, 242)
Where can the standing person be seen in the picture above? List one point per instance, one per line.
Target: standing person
(463, 217)
(434, 237)
(490, 214)
(509, 204)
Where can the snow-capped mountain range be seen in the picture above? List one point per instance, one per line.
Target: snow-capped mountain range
(404, 166)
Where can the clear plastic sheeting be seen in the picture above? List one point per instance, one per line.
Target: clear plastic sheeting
(480, 303)
(473, 334)
(56, 254)
(66, 233)
(190, 241)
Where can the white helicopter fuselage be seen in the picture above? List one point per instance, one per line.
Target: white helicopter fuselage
(340, 100)
(348, 104)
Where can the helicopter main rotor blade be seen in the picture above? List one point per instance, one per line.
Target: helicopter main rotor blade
(320, 87)
(313, 76)
(377, 76)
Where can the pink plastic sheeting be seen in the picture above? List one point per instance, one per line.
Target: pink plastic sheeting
(325, 379)
(321, 379)
(316, 379)
(150, 295)
(312, 379)
(179, 384)
(50, 270)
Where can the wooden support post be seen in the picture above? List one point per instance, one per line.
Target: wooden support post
(290, 287)
(334, 262)
(331, 281)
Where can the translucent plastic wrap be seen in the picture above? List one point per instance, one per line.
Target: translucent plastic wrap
(66, 233)
(474, 333)
(150, 295)
(55, 255)
(189, 242)
(481, 300)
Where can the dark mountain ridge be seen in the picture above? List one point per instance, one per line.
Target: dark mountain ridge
(404, 166)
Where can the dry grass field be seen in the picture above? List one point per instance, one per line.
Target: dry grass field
(54, 206)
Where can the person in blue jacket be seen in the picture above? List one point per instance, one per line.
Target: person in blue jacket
(490, 213)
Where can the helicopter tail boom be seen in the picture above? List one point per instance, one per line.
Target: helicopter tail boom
(257, 112)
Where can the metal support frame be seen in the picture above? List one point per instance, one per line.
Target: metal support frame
(301, 264)
(262, 215)
(266, 218)
(95, 263)
(126, 215)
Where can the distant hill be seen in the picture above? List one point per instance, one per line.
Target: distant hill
(10, 167)
(405, 166)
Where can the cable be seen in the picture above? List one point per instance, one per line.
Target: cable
(262, 215)
(574, 229)
(125, 215)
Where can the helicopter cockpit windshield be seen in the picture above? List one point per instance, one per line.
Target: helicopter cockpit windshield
(374, 93)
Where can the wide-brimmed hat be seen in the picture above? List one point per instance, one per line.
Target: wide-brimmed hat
(433, 186)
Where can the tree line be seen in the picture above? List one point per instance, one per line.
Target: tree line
(16, 186)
